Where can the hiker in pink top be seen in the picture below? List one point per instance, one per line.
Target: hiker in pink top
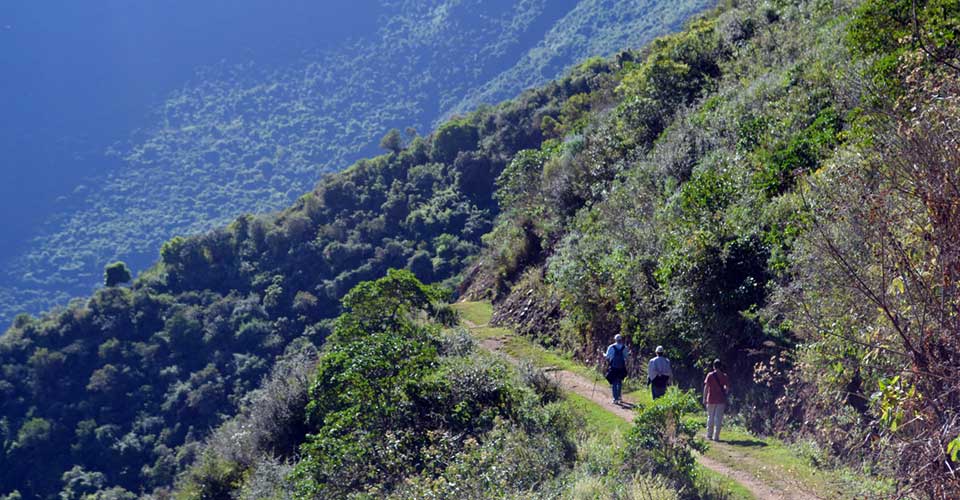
(715, 389)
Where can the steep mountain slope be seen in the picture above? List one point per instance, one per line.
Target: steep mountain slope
(131, 380)
(250, 135)
(774, 186)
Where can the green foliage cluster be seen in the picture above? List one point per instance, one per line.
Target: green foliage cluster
(385, 406)
(116, 273)
(663, 439)
(397, 408)
(122, 386)
(886, 31)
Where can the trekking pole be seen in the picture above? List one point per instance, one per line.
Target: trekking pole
(596, 368)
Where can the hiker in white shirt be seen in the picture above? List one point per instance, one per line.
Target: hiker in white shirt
(659, 373)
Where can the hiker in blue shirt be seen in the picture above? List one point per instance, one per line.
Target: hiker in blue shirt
(659, 373)
(616, 356)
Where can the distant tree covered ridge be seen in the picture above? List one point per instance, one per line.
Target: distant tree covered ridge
(118, 391)
(243, 138)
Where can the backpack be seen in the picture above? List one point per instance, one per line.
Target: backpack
(618, 361)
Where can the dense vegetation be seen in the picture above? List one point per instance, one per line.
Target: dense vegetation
(252, 137)
(400, 408)
(776, 186)
(396, 408)
(131, 380)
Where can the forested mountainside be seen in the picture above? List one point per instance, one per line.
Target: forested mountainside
(253, 132)
(132, 379)
(774, 186)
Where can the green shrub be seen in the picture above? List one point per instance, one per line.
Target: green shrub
(116, 273)
(34, 433)
(803, 152)
(392, 141)
(453, 137)
(388, 413)
(886, 29)
(663, 440)
(211, 478)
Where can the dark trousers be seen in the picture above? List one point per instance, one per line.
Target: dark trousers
(615, 376)
(658, 390)
(617, 388)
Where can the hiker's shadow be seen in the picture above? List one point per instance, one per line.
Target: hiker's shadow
(752, 443)
(624, 404)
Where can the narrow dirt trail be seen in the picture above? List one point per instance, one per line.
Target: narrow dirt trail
(599, 394)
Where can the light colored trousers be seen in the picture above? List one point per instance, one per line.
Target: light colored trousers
(714, 420)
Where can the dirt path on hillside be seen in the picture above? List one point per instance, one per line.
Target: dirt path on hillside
(599, 393)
